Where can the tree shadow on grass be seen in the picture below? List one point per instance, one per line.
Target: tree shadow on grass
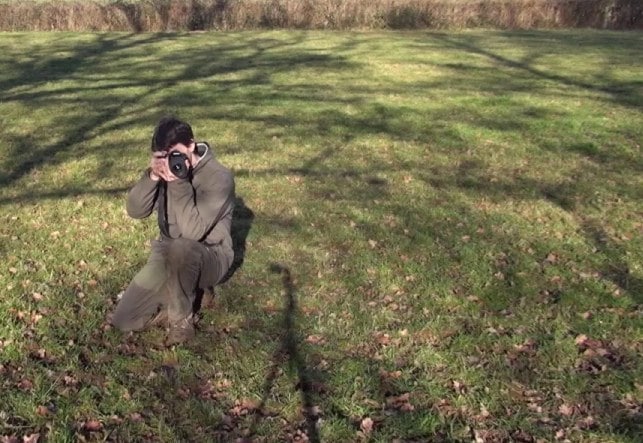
(622, 93)
(260, 57)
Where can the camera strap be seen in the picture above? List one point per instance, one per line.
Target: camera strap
(161, 207)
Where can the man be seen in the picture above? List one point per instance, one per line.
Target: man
(194, 197)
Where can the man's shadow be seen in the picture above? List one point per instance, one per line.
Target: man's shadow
(242, 218)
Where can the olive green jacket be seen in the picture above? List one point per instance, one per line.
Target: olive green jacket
(198, 209)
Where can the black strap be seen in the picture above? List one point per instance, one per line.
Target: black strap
(161, 206)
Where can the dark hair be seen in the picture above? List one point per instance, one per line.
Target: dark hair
(169, 132)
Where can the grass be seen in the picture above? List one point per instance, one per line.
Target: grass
(460, 214)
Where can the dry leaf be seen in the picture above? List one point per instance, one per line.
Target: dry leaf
(580, 339)
(25, 385)
(92, 426)
(400, 402)
(43, 411)
(315, 339)
(551, 258)
(566, 410)
(459, 387)
(135, 417)
(32, 438)
(586, 423)
(366, 426)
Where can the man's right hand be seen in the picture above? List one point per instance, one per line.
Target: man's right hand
(159, 168)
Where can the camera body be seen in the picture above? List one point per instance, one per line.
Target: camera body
(177, 164)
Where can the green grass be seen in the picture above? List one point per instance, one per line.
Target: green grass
(456, 210)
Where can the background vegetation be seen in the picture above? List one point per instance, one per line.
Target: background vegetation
(181, 15)
(460, 214)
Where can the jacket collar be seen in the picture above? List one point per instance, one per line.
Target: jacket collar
(204, 150)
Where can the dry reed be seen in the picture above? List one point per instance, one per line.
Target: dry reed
(182, 15)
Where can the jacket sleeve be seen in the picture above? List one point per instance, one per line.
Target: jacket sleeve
(141, 198)
(198, 207)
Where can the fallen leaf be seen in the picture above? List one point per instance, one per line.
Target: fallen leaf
(382, 338)
(243, 407)
(115, 420)
(551, 258)
(580, 339)
(92, 426)
(32, 438)
(566, 410)
(522, 436)
(25, 385)
(400, 403)
(366, 426)
(459, 387)
(68, 380)
(136, 417)
(43, 411)
(390, 375)
(586, 423)
(315, 339)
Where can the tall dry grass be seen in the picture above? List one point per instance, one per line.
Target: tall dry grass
(179, 15)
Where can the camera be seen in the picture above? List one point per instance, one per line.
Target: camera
(177, 164)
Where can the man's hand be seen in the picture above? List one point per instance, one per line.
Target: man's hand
(159, 168)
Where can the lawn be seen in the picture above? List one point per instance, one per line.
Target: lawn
(443, 236)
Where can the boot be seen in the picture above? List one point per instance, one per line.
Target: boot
(208, 298)
(181, 331)
(159, 319)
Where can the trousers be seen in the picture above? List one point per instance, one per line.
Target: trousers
(174, 272)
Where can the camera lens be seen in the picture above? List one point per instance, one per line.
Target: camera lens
(177, 164)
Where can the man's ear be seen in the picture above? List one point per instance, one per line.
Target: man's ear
(192, 146)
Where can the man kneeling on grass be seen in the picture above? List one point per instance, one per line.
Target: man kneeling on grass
(194, 197)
